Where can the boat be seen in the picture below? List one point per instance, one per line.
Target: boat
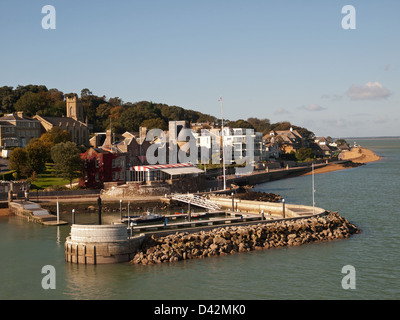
(199, 215)
(145, 218)
(193, 215)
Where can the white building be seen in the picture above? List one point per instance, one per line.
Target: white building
(236, 145)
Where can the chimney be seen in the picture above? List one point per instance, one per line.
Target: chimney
(108, 141)
(142, 134)
(20, 114)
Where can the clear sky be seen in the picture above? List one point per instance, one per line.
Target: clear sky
(282, 60)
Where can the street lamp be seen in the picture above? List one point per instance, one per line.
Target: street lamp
(120, 209)
(223, 150)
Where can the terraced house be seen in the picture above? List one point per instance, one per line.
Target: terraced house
(16, 130)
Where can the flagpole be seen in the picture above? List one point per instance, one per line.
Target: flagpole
(313, 188)
(222, 135)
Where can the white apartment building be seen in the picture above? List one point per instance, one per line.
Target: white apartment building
(236, 145)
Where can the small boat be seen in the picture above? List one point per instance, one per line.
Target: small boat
(192, 215)
(149, 218)
(199, 215)
(146, 218)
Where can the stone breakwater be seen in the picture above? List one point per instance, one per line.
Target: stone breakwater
(233, 239)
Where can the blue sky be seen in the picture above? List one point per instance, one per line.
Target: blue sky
(282, 60)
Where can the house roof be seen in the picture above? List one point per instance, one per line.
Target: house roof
(324, 147)
(292, 134)
(101, 150)
(5, 123)
(61, 121)
(16, 117)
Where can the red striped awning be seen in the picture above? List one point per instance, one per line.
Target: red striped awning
(161, 166)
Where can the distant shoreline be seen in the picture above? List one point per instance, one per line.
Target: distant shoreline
(373, 138)
(357, 155)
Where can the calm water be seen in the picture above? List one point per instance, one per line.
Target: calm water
(367, 196)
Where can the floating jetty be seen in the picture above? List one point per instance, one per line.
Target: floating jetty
(213, 219)
(34, 212)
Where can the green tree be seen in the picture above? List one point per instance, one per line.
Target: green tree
(55, 135)
(37, 153)
(260, 125)
(7, 99)
(155, 124)
(278, 126)
(307, 134)
(54, 103)
(90, 103)
(304, 154)
(18, 161)
(240, 124)
(340, 142)
(67, 160)
(29, 103)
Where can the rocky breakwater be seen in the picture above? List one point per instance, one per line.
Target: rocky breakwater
(259, 196)
(233, 239)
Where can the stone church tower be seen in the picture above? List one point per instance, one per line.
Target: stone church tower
(74, 108)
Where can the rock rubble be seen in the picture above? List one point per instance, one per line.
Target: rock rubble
(233, 239)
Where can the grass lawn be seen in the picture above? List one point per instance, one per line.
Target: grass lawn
(49, 179)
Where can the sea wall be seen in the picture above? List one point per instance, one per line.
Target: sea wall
(263, 176)
(271, 208)
(234, 239)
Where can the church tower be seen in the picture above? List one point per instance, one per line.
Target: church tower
(74, 108)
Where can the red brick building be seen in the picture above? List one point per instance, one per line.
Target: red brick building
(100, 166)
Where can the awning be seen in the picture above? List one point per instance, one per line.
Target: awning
(179, 171)
(161, 166)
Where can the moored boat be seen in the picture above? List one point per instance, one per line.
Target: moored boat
(146, 218)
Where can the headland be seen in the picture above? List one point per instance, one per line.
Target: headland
(354, 157)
